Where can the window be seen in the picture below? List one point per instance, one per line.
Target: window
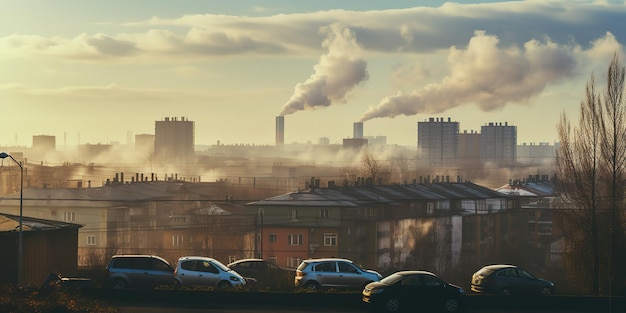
(177, 240)
(271, 259)
(69, 216)
(330, 239)
(91, 240)
(294, 240)
(346, 267)
(432, 281)
(293, 261)
(159, 265)
(325, 267)
(178, 219)
(232, 258)
(324, 213)
(272, 237)
(430, 208)
(413, 280)
(207, 267)
(293, 214)
(189, 265)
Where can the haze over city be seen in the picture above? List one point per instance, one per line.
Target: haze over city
(93, 71)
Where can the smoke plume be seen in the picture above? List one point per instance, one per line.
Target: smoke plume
(486, 75)
(338, 71)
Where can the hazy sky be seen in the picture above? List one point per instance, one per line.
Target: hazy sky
(93, 71)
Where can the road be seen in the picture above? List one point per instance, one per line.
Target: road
(278, 309)
(170, 301)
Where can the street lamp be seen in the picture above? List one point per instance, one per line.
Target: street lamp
(20, 254)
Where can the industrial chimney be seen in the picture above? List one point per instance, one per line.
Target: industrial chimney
(357, 131)
(280, 130)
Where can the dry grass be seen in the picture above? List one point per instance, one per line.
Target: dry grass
(50, 300)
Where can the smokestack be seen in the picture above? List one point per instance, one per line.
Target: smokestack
(280, 130)
(357, 130)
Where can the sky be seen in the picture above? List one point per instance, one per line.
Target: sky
(98, 71)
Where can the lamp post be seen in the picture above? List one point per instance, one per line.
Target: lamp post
(20, 254)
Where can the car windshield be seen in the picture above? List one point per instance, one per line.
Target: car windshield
(391, 279)
(221, 266)
(485, 271)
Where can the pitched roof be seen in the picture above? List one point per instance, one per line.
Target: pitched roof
(531, 189)
(352, 196)
(94, 197)
(10, 223)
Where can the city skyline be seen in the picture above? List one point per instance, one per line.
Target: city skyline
(92, 72)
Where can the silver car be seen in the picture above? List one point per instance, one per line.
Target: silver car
(313, 274)
(204, 271)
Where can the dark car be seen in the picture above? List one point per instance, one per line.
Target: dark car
(413, 291)
(138, 271)
(508, 280)
(265, 273)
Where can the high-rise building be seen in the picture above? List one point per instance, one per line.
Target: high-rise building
(498, 143)
(469, 149)
(437, 142)
(533, 153)
(174, 140)
(144, 145)
(280, 130)
(44, 143)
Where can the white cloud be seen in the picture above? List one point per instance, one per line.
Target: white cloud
(339, 71)
(411, 30)
(487, 75)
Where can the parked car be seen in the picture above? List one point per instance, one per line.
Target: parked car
(265, 274)
(509, 279)
(313, 274)
(138, 271)
(204, 271)
(413, 291)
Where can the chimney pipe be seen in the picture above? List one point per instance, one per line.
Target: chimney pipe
(280, 130)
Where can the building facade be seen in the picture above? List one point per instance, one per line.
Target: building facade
(498, 143)
(437, 142)
(174, 140)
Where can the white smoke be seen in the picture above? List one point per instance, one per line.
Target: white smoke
(485, 75)
(338, 71)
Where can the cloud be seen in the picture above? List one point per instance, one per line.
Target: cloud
(410, 30)
(337, 73)
(486, 75)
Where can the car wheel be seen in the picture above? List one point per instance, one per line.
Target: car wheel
(392, 305)
(451, 305)
(505, 292)
(312, 286)
(118, 284)
(177, 283)
(546, 291)
(223, 285)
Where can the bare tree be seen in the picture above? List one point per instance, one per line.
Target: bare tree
(590, 175)
(370, 168)
(614, 155)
